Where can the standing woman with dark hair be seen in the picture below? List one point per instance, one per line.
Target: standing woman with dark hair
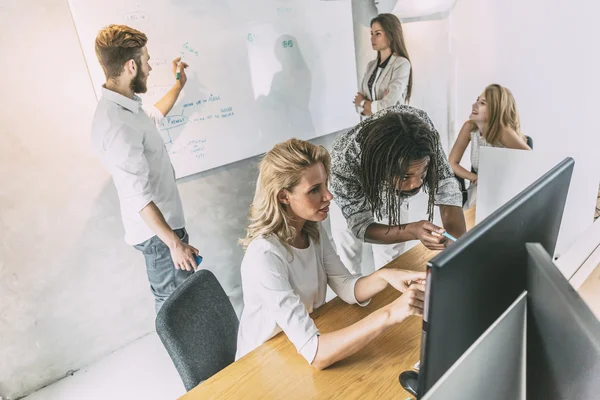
(388, 79)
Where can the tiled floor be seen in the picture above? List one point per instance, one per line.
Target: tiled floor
(142, 370)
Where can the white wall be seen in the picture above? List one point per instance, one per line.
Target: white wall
(545, 52)
(427, 43)
(71, 290)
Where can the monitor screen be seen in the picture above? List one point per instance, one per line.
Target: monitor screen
(470, 284)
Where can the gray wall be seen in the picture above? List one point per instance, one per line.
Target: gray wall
(71, 290)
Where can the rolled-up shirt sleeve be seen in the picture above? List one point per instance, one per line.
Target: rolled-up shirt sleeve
(278, 296)
(155, 115)
(124, 158)
(359, 222)
(340, 280)
(448, 193)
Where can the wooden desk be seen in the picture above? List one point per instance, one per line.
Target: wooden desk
(275, 370)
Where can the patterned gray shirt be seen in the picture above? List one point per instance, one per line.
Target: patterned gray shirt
(345, 178)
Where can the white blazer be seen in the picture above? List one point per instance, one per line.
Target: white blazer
(390, 87)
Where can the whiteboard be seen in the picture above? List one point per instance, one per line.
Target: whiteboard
(260, 71)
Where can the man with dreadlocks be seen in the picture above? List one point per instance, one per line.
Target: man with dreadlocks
(375, 168)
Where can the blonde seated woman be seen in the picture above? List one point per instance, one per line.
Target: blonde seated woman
(494, 121)
(289, 262)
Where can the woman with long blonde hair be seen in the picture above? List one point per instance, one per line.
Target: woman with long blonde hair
(289, 262)
(494, 121)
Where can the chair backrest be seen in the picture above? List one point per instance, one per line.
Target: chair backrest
(198, 326)
(529, 141)
(463, 188)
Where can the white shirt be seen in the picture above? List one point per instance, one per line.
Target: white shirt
(280, 291)
(129, 145)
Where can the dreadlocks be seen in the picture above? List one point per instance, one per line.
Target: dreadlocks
(389, 145)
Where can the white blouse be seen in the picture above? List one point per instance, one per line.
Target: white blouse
(477, 142)
(281, 290)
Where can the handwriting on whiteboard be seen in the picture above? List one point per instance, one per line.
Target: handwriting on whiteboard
(187, 48)
(136, 16)
(155, 63)
(196, 148)
(210, 99)
(173, 121)
(213, 116)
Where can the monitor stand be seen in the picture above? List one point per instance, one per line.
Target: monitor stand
(410, 381)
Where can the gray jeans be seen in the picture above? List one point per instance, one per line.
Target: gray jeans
(162, 274)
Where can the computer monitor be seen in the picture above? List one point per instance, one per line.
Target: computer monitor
(494, 367)
(563, 335)
(470, 284)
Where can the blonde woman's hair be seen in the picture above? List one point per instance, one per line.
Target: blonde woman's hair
(502, 113)
(282, 168)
